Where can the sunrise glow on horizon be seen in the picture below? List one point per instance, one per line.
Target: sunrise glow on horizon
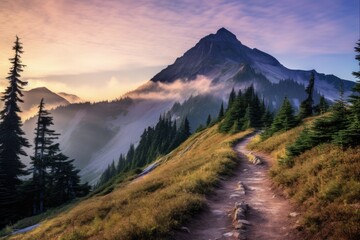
(101, 49)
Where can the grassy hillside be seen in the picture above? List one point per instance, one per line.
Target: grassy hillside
(149, 207)
(325, 182)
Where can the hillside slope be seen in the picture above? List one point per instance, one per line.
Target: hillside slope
(152, 206)
(324, 182)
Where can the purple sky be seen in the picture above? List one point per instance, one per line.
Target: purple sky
(100, 49)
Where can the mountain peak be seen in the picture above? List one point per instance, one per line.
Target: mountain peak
(225, 34)
(224, 31)
(39, 89)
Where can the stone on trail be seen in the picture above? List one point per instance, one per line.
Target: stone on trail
(228, 234)
(240, 226)
(185, 229)
(244, 221)
(242, 205)
(239, 214)
(294, 214)
(234, 196)
(240, 211)
(218, 212)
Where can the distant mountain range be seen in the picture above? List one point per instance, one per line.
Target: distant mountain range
(32, 99)
(71, 98)
(194, 86)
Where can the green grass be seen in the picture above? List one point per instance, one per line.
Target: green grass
(153, 206)
(324, 182)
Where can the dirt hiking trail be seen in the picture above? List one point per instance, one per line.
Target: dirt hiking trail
(264, 215)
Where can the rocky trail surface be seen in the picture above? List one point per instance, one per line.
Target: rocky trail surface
(246, 206)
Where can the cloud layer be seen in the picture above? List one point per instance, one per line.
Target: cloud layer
(178, 90)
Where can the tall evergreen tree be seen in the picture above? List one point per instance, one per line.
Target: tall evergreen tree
(184, 130)
(322, 107)
(350, 136)
(44, 137)
(285, 118)
(6, 205)
(208, 120)
(231, 99)
(64, 181)
(55, 178)
(355, 96)
(246, 112)
(267, 118)
(326, 129)
(12, 139)
(121, 164)
(306, 107)
(234, 114)
(130, 154)
(221, 112)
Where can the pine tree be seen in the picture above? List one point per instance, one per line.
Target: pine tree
(105, 176)
(285, 118)
(12, 141)
(184, 130)
(55, 178)
(182, 134)
(350, 135)
(208, 120)
(221, 112)
(6, 206)
(121, 164)
(246, 112)
(306, 107)
(44, 137)
(232, 98)
(304, 142)
(112, 169)
(267, 119)
(234, 114)
(64, 177)
(130, 155)
(248, 118)
(256, 112)
(355, 96)
(322, 107)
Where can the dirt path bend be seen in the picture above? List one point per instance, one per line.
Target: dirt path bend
(268, 211)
